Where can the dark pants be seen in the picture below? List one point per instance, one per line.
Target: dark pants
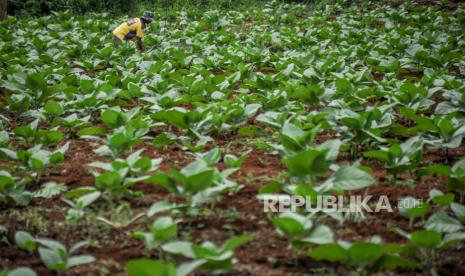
(117, 41)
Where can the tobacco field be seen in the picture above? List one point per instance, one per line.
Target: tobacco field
(115, 162)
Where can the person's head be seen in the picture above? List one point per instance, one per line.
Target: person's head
(148, 16)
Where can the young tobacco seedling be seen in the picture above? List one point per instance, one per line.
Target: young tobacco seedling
(11, 190)
(198, 182)
(427, 245)
(208, 256)
(52, 253)
(399, 158)
(122, 139)
(116, 181)
(135, 164)
(293, 139)
(196, 124)
(443, 132)
(455, 101)
(273, 118)
(307, 167)
(365, 127)
(411, 96)
(52, 110)
(77, 208)
(36, 159)
(456, 179)
(115, 118)
(301, 230)
(31, 135)
(162, 230)
(191, 121)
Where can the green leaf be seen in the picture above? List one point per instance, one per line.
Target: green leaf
(22, 271)
(235, 242)
(459, 211)
(164, 228)
(162, 140)
(271, 188)
(343, 86)
(180, 248)
(87, 199)
(113, 118)
(187, 268)
(134, 90)
(79, 192)
(57, 157)
(377, 154)
(365, 252)
(291, 136)
(173, 117)
(50, 190)
(108, 180)
(87, 86)
(352, 178)
(146, 267)
(443, 223)
(292, 225)
(6, 181)
(390, 262)
(92, 131)
(321, 234)
(53, 108)
(24, 131)
(37, 164)
(307, 163)
(49, 137)
(412, 208)
(36, 82)
(212, 157)
(51, 259)
(330, 252)
(427, 238)
(452, 238)
(159, 207)
(25, 241)
(435, 169)
(444, 200)
(79, 260)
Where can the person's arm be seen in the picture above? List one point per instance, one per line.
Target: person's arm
(139, 36)
(139, 44)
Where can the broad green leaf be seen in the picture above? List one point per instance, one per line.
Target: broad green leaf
(330, 252)
(443, 223)
(92, 131)
(307, 163)
(352, 178)
(53, 108)
(22, 271)
(146, 267)
(25, 241)
(428, 238)
(113, 118)
(365, 252)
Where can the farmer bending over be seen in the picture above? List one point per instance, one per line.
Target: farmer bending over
(133, 29)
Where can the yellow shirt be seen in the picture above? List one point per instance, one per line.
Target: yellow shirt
(130, 29)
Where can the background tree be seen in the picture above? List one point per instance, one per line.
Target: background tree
(3, 5)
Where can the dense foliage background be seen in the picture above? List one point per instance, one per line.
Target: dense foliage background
(41, 7)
